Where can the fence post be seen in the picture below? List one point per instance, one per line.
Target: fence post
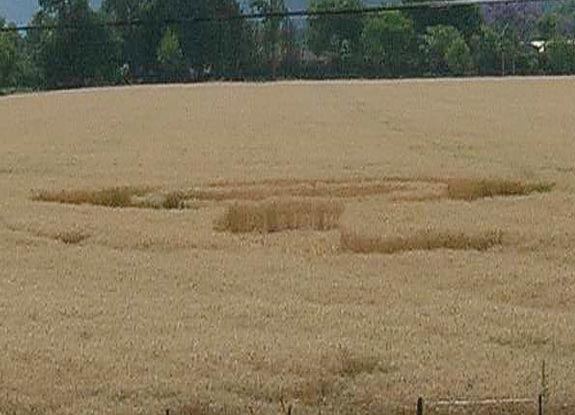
(540, 404)
(420, 406)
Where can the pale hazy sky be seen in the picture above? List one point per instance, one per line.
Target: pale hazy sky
(20, 11)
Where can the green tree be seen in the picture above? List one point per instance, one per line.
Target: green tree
(547, 26)
(133, 43)
(273, 27)
(291, 48)
(336, 36)
(557, 21)
(389, 43)
(511, 50)
(557, 28)
(8, 57)
(123, 10)
(235, 40)
(458, 57)
(80, 50)
(466, 19)
(486, 49)
(16, 66)
(220, 40)
(560, 54)
(565, 15)
(446, 51)
(170, 54)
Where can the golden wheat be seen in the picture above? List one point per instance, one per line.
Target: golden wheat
(472, 189)
(138, 305)
(110, 197)
(280, 215)
(422, 240)
(72, 237)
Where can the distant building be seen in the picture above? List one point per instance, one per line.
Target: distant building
(541, 45)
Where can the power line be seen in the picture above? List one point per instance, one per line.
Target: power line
(423, 5)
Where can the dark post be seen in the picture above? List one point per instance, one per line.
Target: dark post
(540, 404)
(420, 406)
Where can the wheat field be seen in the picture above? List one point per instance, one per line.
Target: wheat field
(304, 247)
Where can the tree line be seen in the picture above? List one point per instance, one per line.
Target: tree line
(184, 40)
